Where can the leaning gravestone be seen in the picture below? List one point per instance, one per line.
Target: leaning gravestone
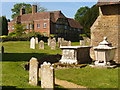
(32, 43)
(41, 44)
(33, 72)
(47, 76)
(53, 45)
(36, 40)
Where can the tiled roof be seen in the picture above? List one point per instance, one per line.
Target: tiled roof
(107, 2)
(74, 23)
(40, 15)
(47, 15)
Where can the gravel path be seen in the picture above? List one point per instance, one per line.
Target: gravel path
(67, 84)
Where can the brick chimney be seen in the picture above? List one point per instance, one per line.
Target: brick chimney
(34, 9)
(22, 11)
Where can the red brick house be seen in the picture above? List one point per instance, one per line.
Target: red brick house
(50, 22)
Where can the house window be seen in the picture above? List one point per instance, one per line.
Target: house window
(38, 25)
(44, 25)
(12, 27)
(30, 26)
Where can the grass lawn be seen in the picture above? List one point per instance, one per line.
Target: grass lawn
(90, 77)
(17, 53)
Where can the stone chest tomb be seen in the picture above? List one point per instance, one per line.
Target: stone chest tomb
(107, 25)
(75, 54)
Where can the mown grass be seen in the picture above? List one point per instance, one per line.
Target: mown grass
(90, 77)
(17, 53)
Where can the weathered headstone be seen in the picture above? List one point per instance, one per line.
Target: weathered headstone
(82, 43)
(64, 43)
(33, 71)
(49, 40)
(47, 76)
(53, 45)
(36, 40)
(54, 39)
(69, 43)
(32, 43)
(59, 42)
(41, 44)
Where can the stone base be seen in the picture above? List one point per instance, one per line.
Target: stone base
(68, 61)
(102, 66)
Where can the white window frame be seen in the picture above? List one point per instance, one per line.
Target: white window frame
(38, 25)
(44, 25)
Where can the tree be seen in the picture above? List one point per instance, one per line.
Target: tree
(27, 7)
(16, 9)
(86, 17)
(3, 26)
(19, 29)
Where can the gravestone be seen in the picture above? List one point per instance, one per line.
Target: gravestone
(49, 40)
(41, 44)
(33, 72)
(32, 43)
(69, 43)
(82, 42)
(54, 39)
(47, 76)
(64, 43)
(36, 40)
(59, 42)
(53, 45)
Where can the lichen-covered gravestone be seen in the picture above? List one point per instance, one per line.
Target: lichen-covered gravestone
(36, 40)
(33, 72)
(32, 43)
(53, 45)
(47, 76)
(41, 44)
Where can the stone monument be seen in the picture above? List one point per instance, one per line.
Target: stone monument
(75, 54)
(36, 40)
(32, 43)
(41, 44)
(69, 43)
(53, 44)
(33, 71)
(107, 25)
(49, 40)
(47, 76)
